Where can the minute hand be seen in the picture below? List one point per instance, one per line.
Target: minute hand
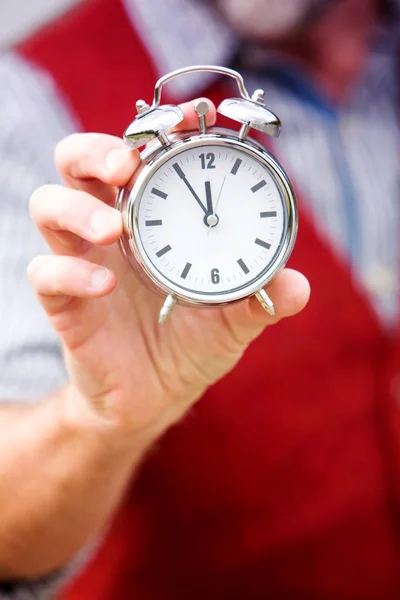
(182, 175)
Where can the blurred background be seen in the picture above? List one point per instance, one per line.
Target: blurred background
(19, 17)
(330, 71)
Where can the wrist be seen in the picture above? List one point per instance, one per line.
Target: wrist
(95, 419)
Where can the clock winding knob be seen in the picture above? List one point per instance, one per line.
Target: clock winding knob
(202, 109)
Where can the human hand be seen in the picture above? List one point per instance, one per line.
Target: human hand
(123, 366)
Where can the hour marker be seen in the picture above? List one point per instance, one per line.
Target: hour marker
(258, 186)
(159, 193)
(153, 223)
(179, 171)
(272, 213)
(163, 251)
(186, 270)
(243, 266)
(236, 166)
(262, 243)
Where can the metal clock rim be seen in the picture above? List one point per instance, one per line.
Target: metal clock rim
(155, 159)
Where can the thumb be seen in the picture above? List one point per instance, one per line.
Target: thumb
(289, 291)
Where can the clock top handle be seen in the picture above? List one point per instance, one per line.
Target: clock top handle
(195, 69)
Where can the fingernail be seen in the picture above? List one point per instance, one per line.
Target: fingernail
(116, 158)
(102, 221)
(99, 277)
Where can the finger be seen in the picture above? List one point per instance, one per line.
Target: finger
(58, 279)
(71, 221)
(289, 291)
(99, 163)
(191, 120)
(96, 163)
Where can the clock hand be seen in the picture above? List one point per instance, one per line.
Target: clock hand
(210, 209)
(220, 192)
(210, 226)
(199, 202)
(182, 175)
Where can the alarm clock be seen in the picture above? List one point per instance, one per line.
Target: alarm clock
(210, 216)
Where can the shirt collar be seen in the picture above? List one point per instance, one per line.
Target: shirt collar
(173, 44)
(197, 35)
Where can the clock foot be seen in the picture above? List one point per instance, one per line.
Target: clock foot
(167, 309)
(265, 302)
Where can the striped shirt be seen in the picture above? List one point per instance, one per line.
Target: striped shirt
(345, 162)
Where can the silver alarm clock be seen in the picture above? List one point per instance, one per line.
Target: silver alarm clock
(210, 216)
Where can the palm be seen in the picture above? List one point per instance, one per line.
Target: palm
(149, 364)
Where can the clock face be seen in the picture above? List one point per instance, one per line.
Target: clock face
(211, 220)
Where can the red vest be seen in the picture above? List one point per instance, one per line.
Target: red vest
(284, 482)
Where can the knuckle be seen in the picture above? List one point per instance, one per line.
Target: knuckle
(235, 341)
(63, 210)
(35, 268)
(39, 205)
(50, 273)
(58, 277)
(38, 196)
(63, 150)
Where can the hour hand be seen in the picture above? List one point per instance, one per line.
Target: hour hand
(182, 175)
(210, 208)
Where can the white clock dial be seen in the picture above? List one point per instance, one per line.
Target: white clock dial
(212, 219)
